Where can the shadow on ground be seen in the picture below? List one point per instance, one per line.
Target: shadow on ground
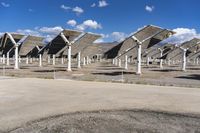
(114, 73)
(165, 70)
(192, 77)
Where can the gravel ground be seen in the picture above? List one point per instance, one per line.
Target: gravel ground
(128, 121)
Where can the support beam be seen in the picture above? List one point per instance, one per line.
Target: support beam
(161, 60)
(8, 59)
(40, 60)
(84, 61)
(49, 59)
(62, 60)
(20, 59)
(184, 59)
(126, 62)
(27, 60)
(169, 62)
(54, 59)
(79, 59)
(69, 58)
(120, 63)
(4, 59)
(139, 50)
(113, 61)
(148, 60)
(16, 45)
(31, 60)
(68, 51)
(16, 57)
(116, 61)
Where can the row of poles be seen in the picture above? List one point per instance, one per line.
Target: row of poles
(139, 59)
(85, 60)
(118, 62)
(17, 59)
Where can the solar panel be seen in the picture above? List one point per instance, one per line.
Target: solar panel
(58, 43)
(29, 43)
(176, 53)
(149, 36)
(82, 42)
(7, 43)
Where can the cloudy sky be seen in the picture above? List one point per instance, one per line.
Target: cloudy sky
(113, 19)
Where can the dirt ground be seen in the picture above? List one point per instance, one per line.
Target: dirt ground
(106, 72)
(114, 122)
(30, 100)
(45, 105)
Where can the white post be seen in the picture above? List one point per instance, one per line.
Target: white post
(4, 59)
(87, 60)
(139, 59)
(62, 60)
(100, 58)
(31, 60)
(79, 59)
(54, 60)
(116, 62)
(113, 61)
(197, 61)
(49, 59)
(169, 62)
(69, 58)
(161, 60)
(16, 57)
(184, 59)
(27, 60)
(120, 63)
(84, 61)
(19, 59)
(126, 62)
(40, 60)
(8, 59)
(148, 60)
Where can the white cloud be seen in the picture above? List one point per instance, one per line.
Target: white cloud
(89, 24)
(51, 30)
(47, 32)
(72, 23)
(149, 8)
(65, 7)
(182, 35)
(48, 38)
(114, 36)
(28, 32)
(1, 33)
(5, 4)
(103, 3)
(78, 10)
(118, 36)
(93, 5)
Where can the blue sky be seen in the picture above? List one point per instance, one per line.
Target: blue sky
(114, 19)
